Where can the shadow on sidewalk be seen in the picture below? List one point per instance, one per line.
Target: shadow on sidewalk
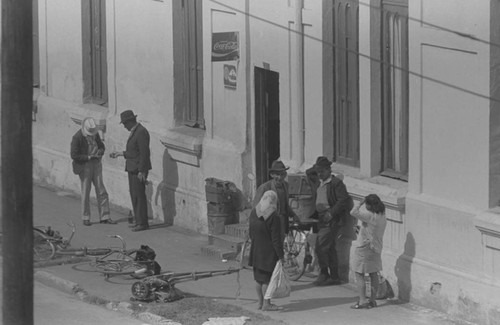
(311, 304)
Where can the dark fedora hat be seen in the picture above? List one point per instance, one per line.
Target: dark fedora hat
(278, 166)
(322, 162)
(127, 115)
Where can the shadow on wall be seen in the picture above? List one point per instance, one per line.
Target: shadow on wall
(402, 269)
(165, 192)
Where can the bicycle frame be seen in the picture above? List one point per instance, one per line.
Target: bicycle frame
(86, 251)
(297, 251)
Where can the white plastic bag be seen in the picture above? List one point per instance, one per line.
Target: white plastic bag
(279, 286)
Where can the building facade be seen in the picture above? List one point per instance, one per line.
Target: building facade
(403, 95)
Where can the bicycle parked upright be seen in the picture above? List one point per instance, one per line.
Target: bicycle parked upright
(298, 251)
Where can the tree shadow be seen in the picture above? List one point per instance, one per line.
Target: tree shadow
(402, 269)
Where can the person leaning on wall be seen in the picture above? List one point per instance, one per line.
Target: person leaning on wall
(86, 151)
(333, 204)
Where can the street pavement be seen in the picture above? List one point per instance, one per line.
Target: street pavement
(179, 250)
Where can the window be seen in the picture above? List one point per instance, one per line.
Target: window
(188, 63)
(95, 79)
(346, 115)
(395, 89)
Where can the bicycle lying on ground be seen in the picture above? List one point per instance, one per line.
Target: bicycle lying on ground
(46, 242)
(298, 252)
(110, 261)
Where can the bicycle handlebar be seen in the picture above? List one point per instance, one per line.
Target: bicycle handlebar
(124, 245)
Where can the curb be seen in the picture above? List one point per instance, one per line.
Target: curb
(73, 288)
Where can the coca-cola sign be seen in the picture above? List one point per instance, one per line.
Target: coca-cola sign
(225, 46)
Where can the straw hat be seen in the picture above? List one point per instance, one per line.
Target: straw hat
(89, 128)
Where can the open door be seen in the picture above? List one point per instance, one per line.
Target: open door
(267, 122)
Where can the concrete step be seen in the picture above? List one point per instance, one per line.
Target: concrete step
(218, 252)
(239, 230)
(226, 241)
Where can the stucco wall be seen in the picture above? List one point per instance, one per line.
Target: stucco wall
(63, 49)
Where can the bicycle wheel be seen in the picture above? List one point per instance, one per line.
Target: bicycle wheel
(297, 254)
(43, 248)
(244, 253)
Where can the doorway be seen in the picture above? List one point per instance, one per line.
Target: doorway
(267, 122)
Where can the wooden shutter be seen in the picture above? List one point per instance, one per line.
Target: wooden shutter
(395, 88)
(346, 106)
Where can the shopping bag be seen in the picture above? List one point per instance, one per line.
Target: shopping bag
(384, 288)
(279, 286)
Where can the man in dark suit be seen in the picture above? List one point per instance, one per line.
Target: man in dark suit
(137, 164)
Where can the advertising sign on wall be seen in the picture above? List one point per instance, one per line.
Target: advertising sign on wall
(225, 46)
(230, 76)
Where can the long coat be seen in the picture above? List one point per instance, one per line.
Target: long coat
(138, 155)
(267, 247)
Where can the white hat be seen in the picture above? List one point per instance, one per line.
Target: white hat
(89, 127)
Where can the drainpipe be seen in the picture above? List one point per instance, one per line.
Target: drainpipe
(298, 128)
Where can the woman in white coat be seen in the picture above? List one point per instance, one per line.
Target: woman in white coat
(368, 253)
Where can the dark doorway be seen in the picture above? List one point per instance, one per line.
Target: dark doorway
(267, 122)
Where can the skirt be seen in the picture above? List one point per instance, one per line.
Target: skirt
(261, 276)
(366, 260)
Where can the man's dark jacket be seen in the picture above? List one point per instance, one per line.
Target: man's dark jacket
(138, 155)
(340, 203)
(80, 150)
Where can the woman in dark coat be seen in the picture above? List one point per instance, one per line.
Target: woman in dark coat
(267, 246)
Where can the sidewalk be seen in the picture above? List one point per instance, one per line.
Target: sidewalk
(179, 250)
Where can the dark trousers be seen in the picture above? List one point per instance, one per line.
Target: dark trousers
(327, 252)
(138, 197)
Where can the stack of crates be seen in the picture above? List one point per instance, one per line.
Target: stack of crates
(220, 207)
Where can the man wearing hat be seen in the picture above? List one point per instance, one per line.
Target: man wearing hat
(333, 204)
(87, 150)
(277, 183)
(137, 164)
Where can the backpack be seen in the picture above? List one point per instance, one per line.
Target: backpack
(147, 254)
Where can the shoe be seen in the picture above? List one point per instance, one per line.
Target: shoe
(361, 306)
(87, 223)
(108, 221)
(373, 303)
(131, 221)
(140, 228)
(271, 307)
